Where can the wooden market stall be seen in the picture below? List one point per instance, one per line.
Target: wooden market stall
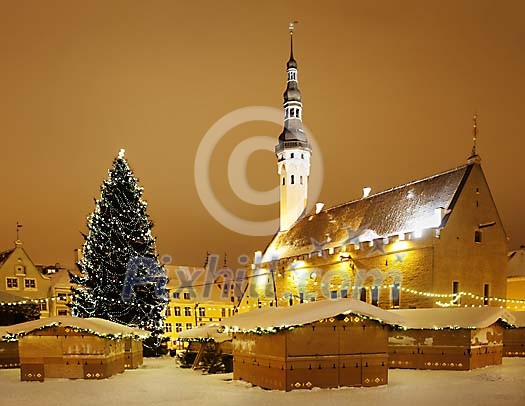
(71, 347)
(461, 338)
(8, 352)
(514, 338)
(324, 344)
(210, 349)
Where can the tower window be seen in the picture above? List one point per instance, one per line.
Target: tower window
(284, 180)
(302, 156)
(292, 179)
(478, 236)
(301, 180)
(455, 292)
(292, 155)
(486, 293)
(292, 113)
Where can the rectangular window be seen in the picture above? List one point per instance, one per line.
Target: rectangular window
(188, 326)
(29, 283)
(455, 291)
(344, 293)
(167, 327)
(187, 311)
(333, 294)
(187, 296)
(375, 295)
(178, 327)
(362, 294)
(478, 236)
(202, 312)
(12, 283)
(301, 297)
(177, 310)
(223, 312)
(168, 311)
(395, 295)
(486, 294)
(62, 312)
(176, 295)
(43, 307)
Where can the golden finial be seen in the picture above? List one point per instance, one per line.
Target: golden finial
(291, 26)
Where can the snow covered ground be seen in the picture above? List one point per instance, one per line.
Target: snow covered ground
(161, 382)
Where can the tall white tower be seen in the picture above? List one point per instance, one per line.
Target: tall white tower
(293, 151)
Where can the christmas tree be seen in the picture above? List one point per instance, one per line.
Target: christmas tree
(119, 255)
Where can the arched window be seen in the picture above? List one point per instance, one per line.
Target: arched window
(292, 179)
(301, 180)
(284, 180)
(292, 113)
(292, 155)
(302, 156)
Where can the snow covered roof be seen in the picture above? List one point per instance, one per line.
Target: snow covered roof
(213, 332)
(276, 318)
(100, 327)
(406, 208)
(453, 317)
(520, 319)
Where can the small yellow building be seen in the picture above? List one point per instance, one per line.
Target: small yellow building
(20, 277)
(196, 299)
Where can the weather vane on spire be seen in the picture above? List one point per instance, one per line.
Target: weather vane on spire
(18, 227)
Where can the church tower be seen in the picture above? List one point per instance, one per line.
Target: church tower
(293, 151)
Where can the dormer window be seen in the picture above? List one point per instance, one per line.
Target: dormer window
(478, 236)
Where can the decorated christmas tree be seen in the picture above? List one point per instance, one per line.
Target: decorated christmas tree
(120, 269)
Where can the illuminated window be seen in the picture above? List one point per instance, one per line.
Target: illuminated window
(362, 295)
(486, 293)
(395, 295)
(176, 309)
(43, 306)
(168, 311)
(12, 283)
(187, 311)
(455, 292)
(375, 295)
(187, 296)
(29, 283)
(188, 326)
(223, 312)
(478, 236)
(178, 327)
(167, 328)
(62, 312)
(202, 312)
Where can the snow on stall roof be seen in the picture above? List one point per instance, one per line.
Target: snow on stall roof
(457, 317)
(100, 327)
(275, 318)
(213, 332)
(520, 319)
(402, 209)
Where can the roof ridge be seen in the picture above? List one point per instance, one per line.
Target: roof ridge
(398, 187)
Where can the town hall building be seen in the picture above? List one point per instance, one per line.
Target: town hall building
(437, 241)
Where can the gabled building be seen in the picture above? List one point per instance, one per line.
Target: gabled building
(20, 277)
(437, 241)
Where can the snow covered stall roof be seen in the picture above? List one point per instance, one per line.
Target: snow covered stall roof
(210, 332)
(402, 209)
(99, 327)
(519, 319)
(277, 318)
(456, 317)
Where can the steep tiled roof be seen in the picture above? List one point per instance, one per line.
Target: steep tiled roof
(4, 255)
(406, 208)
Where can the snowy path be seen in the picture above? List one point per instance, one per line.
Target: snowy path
(160, 382)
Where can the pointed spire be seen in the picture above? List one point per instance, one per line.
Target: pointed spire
(474, 157)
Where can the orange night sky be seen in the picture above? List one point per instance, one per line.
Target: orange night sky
(389, 89)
